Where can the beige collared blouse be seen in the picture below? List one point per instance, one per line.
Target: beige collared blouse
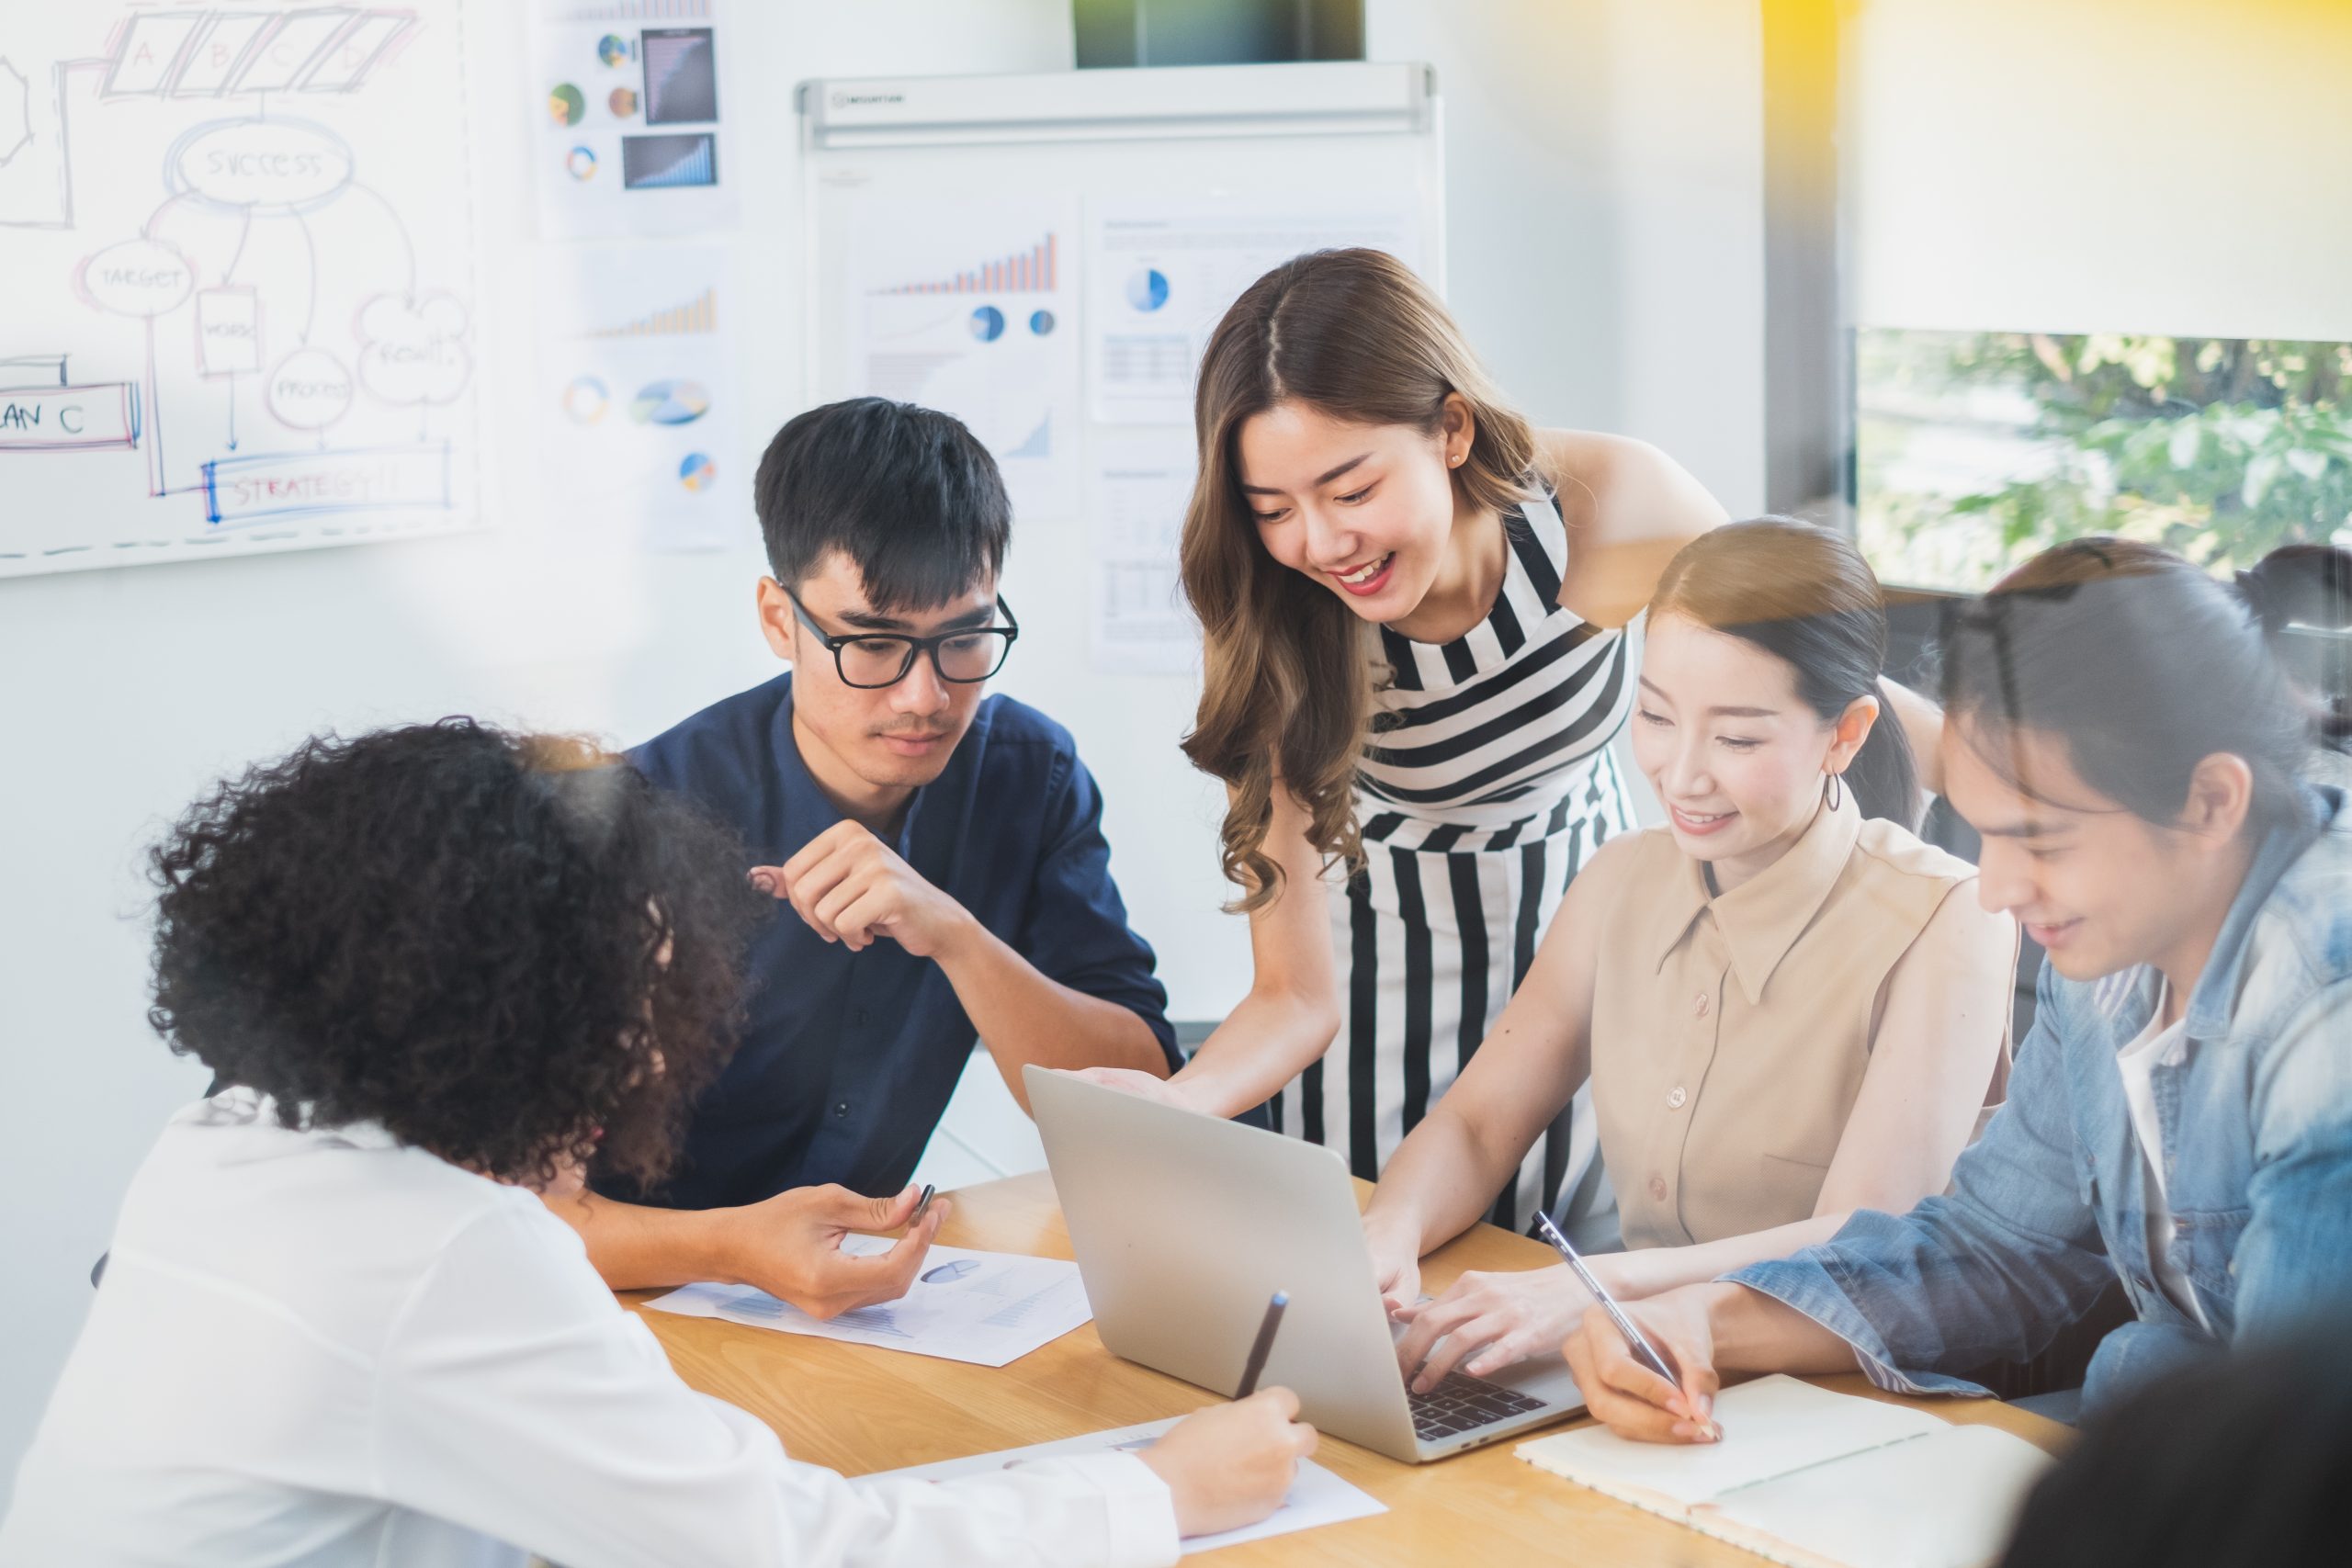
(1730, 1034)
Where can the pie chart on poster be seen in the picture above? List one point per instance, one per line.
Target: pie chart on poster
(612, 49)
(669, 402)
(584, 400)
(988, 323)
(1148, 289)
(565, 104)
(697, 472)
(623, 103)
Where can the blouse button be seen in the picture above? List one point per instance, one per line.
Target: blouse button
(1658, 1187)
(1699, 1005)
(1674, 1100)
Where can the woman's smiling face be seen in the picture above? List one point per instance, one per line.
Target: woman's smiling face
(1365, 509)
(1736, 757)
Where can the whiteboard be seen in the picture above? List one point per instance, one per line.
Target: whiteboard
(1043, 256)
(238, 248)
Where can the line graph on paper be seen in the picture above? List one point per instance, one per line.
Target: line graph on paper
(243, 239)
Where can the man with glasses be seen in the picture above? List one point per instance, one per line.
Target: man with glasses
(941, 854)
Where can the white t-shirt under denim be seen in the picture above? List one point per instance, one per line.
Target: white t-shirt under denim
(324, 1348)
(2153, 1045)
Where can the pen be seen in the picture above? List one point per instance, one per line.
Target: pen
(1636, 1341)
(929, 1192)
(1263, 1346)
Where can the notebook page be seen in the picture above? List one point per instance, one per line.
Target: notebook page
(1771, 1427)
(1945, 1501)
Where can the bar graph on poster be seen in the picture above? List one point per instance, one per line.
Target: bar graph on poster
(968, 307)
(240, 258)
(636, 393)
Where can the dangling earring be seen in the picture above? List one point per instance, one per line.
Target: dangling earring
(1833, 791)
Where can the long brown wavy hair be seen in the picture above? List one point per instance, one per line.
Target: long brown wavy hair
(1289, 670)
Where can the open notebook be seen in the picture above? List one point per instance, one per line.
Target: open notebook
(1819, 1479)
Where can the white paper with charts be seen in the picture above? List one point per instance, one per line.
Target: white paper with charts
(1317, 1497)
(988, 1308)
(240, 253)
(631, 137)
(967, 306)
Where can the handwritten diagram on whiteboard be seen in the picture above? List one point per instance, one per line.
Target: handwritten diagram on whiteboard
(238, 249)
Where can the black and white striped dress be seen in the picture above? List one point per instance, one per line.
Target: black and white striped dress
(1487, 782)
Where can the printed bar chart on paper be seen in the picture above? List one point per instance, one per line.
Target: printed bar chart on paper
(699, 314)
(967, 306)
(1034, 271)
(635, 409)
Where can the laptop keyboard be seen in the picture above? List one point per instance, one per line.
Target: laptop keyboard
(1463, 1403)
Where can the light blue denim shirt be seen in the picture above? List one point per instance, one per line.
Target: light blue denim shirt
(2255, 1125)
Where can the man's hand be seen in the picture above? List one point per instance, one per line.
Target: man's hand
(1634, 1402)
(790, 1246)
(850, 889)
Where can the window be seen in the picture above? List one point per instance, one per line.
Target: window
(1975, 449)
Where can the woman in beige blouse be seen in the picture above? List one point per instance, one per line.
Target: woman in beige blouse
(1789, 1005)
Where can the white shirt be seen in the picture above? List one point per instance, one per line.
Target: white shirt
(2137, 1061)
(326, 1349)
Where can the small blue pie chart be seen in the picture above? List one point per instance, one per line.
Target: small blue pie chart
(949, 1272)
(1148, 289)
(988, 323)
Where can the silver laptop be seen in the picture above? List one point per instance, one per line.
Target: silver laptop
(1184, 1226)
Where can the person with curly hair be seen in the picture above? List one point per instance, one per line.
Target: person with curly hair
(436, 969)
(942, 852)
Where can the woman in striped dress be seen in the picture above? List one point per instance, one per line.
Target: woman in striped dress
(1416, 611)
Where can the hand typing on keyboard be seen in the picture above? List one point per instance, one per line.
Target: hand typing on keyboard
(1461, 1403)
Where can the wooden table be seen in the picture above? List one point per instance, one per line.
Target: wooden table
(858, 1409)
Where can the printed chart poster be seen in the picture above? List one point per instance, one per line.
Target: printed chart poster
(241, 267)
(1161, 276)
(968, 307)
(630, 138)
(1137, 487)
(636, 392)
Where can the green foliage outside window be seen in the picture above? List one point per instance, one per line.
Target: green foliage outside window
(1977, 449)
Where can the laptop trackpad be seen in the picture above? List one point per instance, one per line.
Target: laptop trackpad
(1543, 1377)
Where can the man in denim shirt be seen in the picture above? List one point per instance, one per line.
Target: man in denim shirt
(2196, 902)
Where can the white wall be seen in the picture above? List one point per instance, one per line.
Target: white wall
(1605, 222)
(2089, 166)
(1605, 238)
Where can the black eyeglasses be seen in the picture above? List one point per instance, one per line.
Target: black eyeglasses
(871, 660)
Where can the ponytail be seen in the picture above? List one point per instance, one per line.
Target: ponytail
(2144, 665)
(2306, 585)
(1885, 775)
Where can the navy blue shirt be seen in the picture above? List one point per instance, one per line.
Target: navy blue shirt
(848, 1058)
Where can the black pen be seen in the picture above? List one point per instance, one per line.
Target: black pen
(1636, 1341)
(929, 1192)
(1263, 1346)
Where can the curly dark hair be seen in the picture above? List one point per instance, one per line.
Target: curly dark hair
(512, 951)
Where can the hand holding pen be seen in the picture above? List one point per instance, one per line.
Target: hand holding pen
(1689, 1397)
